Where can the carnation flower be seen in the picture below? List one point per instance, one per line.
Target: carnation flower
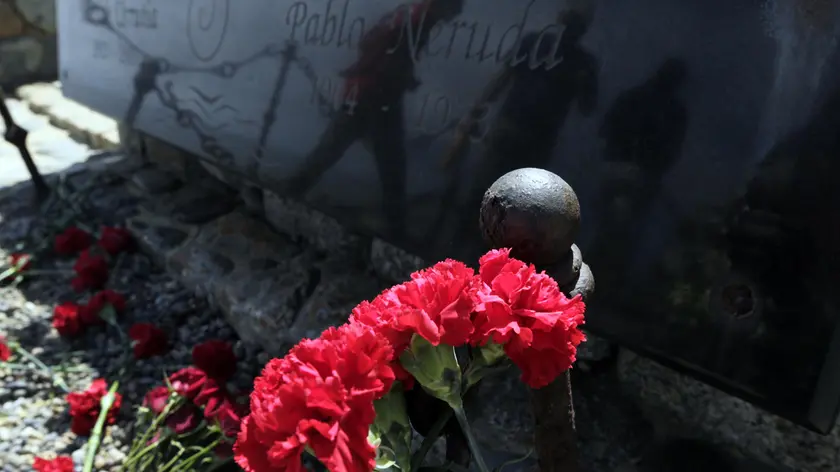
(90, 313)
(182, 420)
(85, 407)
(442, 298)
(5, 350)
(71, 241)
(216, 358)
(115, 240)
(188, 382)
(66, 319)
(21, 261)
(319, 397)
(436, 304)
(156, 399)
(91, 271)
(149, 340)
(59, 464)
(526, 312)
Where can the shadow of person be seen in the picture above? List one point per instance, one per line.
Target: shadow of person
(778, 303)
(783, 234)
(641, 137)
(144, 82)
(373, 110)
(544, 76)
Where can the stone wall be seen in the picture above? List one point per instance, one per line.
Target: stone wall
(28, 49)
(674, 406)
(279, 271)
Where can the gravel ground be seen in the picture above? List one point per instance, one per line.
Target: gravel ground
(33, 414)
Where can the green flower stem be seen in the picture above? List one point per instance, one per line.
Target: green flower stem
(429, 440)
(437, 428)
(56, 379)
(47, 272)
(188, 463)
(147, 435)
(174, 460)
(96, 438)
(140, 454)
(461, 416)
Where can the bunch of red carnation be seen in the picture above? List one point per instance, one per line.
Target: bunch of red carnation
(92, 265)
(203, 387)
(85, 407)
(320, 397)
(91, 269)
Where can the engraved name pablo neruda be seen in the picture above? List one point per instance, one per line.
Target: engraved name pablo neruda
(470, 40)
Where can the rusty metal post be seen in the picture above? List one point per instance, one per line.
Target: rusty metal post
(536, 214)
(17, 136)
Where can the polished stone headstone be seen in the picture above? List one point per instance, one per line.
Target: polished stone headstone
(701, 137)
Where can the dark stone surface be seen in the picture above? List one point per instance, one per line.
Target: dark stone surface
(153, 181)
(698, 135)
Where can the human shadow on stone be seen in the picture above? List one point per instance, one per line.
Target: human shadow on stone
(642, 136)
(781, 240)
(144, 82)
(542, 87)
(373, 107)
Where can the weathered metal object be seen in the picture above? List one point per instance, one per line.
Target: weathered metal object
(536, 214)
(16, 135)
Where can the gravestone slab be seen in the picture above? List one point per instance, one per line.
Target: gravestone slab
(700, 136)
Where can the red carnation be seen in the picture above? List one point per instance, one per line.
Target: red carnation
(442, 298)
(91, 271)
(149, 340)
(115, 240)
(85, 407)
(183, 420)
(229, 415)
(319, 397)
(59, 464)
(90, 312)
(526, 312)
(188, 382)
(216, 358)
(71, 241)
(66, 319)
(436, 304)
(211, 396)
(5, 350)
(156, 399)
(21, 261)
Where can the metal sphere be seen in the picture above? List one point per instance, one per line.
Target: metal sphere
(534, 212)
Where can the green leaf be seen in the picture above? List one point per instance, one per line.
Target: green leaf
(435, 368)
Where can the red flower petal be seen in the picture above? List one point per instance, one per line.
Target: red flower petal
(149, 340)
(59, 464)
(321, 396)
(85, 407)
(5, 351)
(115, 240)
(91, 271)
(216, 358)
(527, 313)
(71, 241)
(66, 319)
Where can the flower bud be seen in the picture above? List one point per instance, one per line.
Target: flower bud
(484, 359)
(435, 368)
